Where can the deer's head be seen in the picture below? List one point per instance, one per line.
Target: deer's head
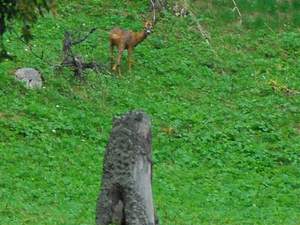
(148, 27)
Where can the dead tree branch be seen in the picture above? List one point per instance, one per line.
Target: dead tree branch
(236, 8)
(75, 62)
(199, 27)
(156, 6)
(85, 37)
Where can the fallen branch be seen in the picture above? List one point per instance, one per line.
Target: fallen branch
(75, 62)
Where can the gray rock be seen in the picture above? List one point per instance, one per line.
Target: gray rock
(31, 77)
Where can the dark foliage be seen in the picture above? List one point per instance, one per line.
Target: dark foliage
(27, 11)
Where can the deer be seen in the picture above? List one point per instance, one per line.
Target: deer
(127, 40)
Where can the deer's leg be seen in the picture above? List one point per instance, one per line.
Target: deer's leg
(111, 55)
(129, 58)
(121, 50)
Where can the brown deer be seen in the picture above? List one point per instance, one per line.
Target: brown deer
(124, 39)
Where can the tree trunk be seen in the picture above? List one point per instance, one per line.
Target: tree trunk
(158, 4)
(126, 190)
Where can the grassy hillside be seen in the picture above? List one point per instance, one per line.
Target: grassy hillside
(226, 116)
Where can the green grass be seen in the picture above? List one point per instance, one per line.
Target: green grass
(226, 133)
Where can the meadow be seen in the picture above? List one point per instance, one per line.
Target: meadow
(225, 114)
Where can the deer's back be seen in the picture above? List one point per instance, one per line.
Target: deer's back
(119, 36)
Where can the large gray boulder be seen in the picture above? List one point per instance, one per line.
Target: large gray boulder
(31, 77)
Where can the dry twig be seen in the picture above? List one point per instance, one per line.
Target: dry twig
(200, 28)
(236, 8)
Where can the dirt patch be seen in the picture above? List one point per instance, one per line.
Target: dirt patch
(3, 115)
(6, 116)
(298, 128)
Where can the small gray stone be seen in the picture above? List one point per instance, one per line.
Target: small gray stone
(31, 77)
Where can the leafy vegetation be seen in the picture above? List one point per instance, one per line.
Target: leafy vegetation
(226, 116)
(25, 11)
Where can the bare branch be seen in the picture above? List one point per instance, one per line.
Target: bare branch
(155, 7)
(153, 10)
(202, 31)
(85, 37)
(75, 62)
(200, 28)
(236, 8)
